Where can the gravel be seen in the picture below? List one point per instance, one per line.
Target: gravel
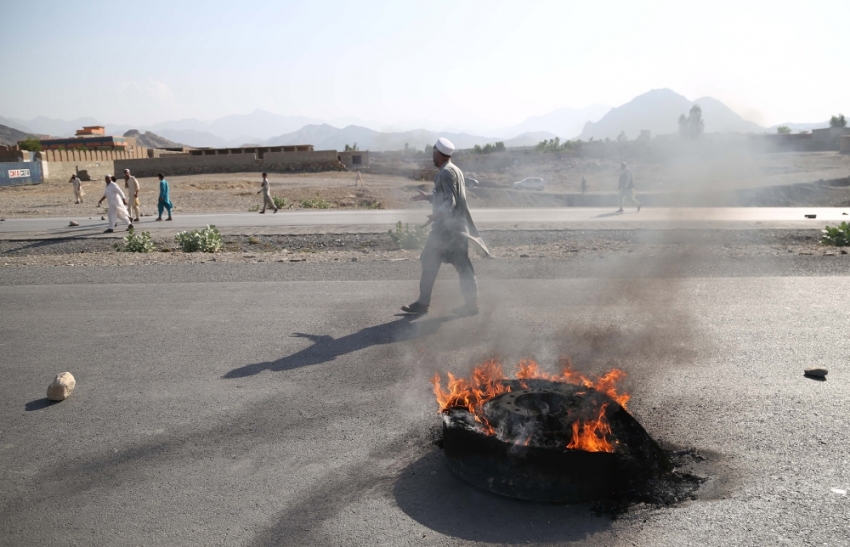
(567, 244)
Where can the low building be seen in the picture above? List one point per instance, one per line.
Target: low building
(91, 130)
(844, 144)
(830, 134)
(89, 143)
(358, 159)
(297, 152)
(260, 151)
(91, 137)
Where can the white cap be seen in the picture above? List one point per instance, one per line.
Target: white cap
(444, 146)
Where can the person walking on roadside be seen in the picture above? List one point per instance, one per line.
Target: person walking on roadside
(583, 185)
(451, 234)
(77, 185)
(359, 180)
(627, 187)
(117, 202)
(164, 197)
(267, 195)
(132, 186)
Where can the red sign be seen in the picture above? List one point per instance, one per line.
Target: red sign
(18, 173)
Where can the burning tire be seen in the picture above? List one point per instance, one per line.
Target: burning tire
(544, 440)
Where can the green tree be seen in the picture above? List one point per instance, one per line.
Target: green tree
(838, 121)
(499, 147)
(30, 143)
(783, 130)
(477, 148)
(352, 148)
(693, 126)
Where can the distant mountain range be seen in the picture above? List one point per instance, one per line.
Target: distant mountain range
(657, 111)
(327, 137)
(564, 122)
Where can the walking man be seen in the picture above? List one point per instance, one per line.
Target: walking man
(583, 185)
(267, 194)
(359, 180)
(627, 187)
(164, 197)
(132, 186)
(77, 184)
(116, 201)
(451, 234)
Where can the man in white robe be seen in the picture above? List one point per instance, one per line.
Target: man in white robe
(626, 190)
(452, 233)
(77, 184)
(265, 189)
(117, 203)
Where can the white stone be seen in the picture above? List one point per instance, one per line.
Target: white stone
(61, 386)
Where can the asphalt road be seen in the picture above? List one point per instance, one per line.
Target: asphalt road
(294, 408)
(342, 221)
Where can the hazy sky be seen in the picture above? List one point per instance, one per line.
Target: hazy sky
(455, 63)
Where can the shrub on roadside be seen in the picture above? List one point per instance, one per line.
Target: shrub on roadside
(138, 242)
(315, 203)
(370, 204)
(281, 203)
(406, 238)
(838, 236)
(206, 240)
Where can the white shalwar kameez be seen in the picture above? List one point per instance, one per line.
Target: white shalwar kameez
(115, 200)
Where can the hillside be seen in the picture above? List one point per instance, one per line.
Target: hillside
(10, 135)
(151, 140)
(659, 110)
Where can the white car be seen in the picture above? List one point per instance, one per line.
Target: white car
(530, 183)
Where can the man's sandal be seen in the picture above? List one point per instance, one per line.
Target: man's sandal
(415, 308)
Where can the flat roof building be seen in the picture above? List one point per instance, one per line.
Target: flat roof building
(91, 130)
(258, 150)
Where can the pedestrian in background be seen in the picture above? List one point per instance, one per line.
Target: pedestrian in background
(583, 185)
(132, 186)
(164, 197)
(117, 203)
(627, 187)
(359, 180)
(77, 184)
(267, 194)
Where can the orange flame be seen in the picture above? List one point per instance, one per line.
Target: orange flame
(486, 383)
(592, 435)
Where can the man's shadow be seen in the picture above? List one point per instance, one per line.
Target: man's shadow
(326, 348)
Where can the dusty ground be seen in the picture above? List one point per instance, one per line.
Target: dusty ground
(723, 244)
(780, 179)
(720, 173)
(231, 192)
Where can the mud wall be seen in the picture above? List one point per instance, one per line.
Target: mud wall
(61, 171)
